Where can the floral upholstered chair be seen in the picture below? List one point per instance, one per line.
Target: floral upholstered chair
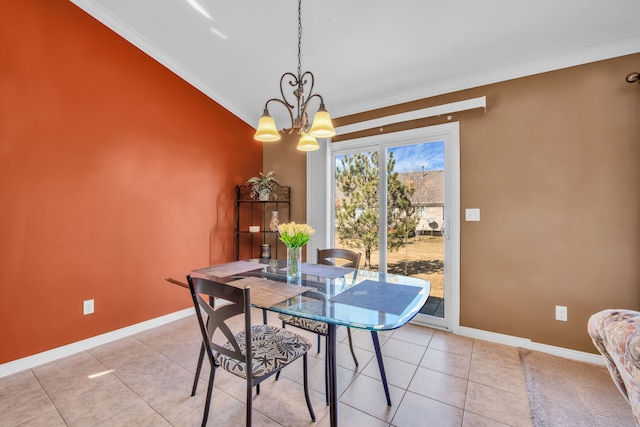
(616, 334)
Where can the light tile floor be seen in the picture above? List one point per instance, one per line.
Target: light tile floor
(435, 378)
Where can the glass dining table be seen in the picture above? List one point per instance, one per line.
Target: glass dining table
(360, 299)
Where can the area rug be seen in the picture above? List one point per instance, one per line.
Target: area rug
(566, 392)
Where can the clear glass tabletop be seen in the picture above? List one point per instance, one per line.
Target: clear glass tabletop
(343, 296)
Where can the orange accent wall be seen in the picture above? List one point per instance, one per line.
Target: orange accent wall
(114, 173)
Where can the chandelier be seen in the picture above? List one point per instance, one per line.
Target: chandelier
(321, 127)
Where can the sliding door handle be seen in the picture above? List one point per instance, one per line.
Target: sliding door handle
(445, 229)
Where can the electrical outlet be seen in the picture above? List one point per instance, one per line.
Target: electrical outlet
(561, 313)
(87, 307)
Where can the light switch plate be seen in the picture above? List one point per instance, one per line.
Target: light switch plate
(472, 214)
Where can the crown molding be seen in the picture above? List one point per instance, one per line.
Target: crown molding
(599, 52)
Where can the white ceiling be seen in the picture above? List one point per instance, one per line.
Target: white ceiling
(367, 54)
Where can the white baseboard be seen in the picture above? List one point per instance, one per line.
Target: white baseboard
(528, 344)
(76, 347)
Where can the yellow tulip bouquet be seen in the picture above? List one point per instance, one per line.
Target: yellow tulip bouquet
(294, 236)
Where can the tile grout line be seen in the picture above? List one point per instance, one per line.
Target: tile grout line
(44, 390)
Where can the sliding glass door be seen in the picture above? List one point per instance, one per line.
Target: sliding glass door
(395, 199)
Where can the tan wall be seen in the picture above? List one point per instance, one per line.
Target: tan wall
(553, 166)
(290, 166)
(555, 154)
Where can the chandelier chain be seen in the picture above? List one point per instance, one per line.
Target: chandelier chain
(299, 39)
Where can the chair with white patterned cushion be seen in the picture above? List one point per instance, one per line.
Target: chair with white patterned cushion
(347, 258)
(336, 257)
(272, 348)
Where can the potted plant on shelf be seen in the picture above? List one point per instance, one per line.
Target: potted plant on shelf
(262, 185)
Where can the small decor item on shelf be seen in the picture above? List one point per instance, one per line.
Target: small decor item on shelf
(273, 224)
(262, 185)
(295, 236)
(265, 251)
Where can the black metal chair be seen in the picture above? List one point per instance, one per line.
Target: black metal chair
(336, 257)
(271, 348)
(342, 258)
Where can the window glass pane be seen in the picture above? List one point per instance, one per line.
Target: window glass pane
(356, 205)
(415, 205)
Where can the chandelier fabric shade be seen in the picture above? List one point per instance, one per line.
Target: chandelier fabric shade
(321, 127)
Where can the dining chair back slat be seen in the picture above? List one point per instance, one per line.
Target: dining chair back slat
(338, 256)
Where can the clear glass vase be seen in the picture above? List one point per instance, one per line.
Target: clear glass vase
(294, 264)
